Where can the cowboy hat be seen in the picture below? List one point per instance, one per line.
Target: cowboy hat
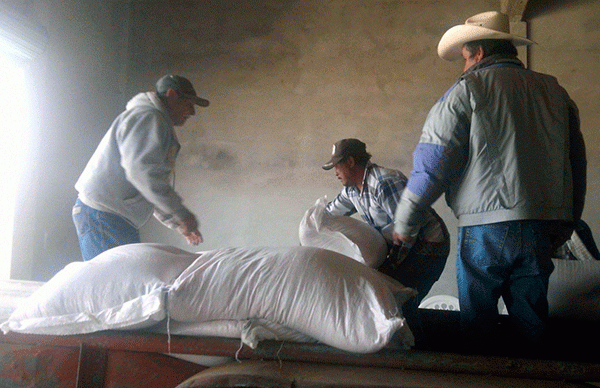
(486, 25)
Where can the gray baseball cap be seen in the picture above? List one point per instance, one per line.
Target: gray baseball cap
(344, 148)
(181, 85)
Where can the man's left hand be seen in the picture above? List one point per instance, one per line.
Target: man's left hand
(189, 228)
(194, 237)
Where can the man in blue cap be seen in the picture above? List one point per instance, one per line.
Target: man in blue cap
(130, 175)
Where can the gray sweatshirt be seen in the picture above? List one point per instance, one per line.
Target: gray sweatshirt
(131, 172)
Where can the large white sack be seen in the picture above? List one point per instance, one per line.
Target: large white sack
(346, 235)
(315, 291)
(122, 288)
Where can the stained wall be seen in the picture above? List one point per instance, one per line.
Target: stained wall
(286, 79)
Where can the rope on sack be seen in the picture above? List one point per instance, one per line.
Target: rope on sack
(237, 358)
(168, 333)
(166, 299)
(279, 351)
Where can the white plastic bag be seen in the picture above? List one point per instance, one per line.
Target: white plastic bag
(122, 288)
(320, 293)
(346, 235)
(251, 332)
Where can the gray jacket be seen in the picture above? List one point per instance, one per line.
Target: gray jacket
(503, 144)
(131, 172)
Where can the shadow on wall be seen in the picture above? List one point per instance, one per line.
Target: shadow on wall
(542, 7)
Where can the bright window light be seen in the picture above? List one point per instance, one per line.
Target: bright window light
(14, 130)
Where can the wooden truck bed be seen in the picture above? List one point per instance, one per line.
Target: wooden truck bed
(131, 359)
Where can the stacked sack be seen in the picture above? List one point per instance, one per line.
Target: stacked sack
(296, 293)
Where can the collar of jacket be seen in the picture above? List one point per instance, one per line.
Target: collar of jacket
(496, 60)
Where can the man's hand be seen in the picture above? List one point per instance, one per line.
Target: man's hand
(188, 227)
(194, 237)
(398, 239)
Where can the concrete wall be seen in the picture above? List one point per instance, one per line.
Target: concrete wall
(285, 79)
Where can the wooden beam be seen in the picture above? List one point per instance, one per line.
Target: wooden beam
(140, 343)
(513, 8)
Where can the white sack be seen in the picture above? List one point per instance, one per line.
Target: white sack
(122, 288)
(251, 332)
(346, 235)
(317, 292)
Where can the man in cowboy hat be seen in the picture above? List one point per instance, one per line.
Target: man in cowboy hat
(129, 176)
(504, 145)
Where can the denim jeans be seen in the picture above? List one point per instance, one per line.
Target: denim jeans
(419, 270)
(509, 259)
(99, 231)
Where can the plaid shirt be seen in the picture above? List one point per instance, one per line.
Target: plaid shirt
(376, 203)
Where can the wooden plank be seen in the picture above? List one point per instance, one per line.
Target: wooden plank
(571, 357)
(89, 367)
(147, 370)
(306, 352)
(515, 10)
(34, 366)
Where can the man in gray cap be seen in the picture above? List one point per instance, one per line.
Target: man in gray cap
(374, 191)
(130, 175)
(504, 146)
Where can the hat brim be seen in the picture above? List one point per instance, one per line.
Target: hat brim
(332, 162)
(197, 100)
(451, 43)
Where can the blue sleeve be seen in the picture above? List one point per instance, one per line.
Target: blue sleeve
(438, 159)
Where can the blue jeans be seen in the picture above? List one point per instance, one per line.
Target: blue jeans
(509, 259)
(100, 231)
(419, 270)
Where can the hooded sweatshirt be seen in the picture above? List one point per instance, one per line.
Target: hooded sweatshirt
(131, 172)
